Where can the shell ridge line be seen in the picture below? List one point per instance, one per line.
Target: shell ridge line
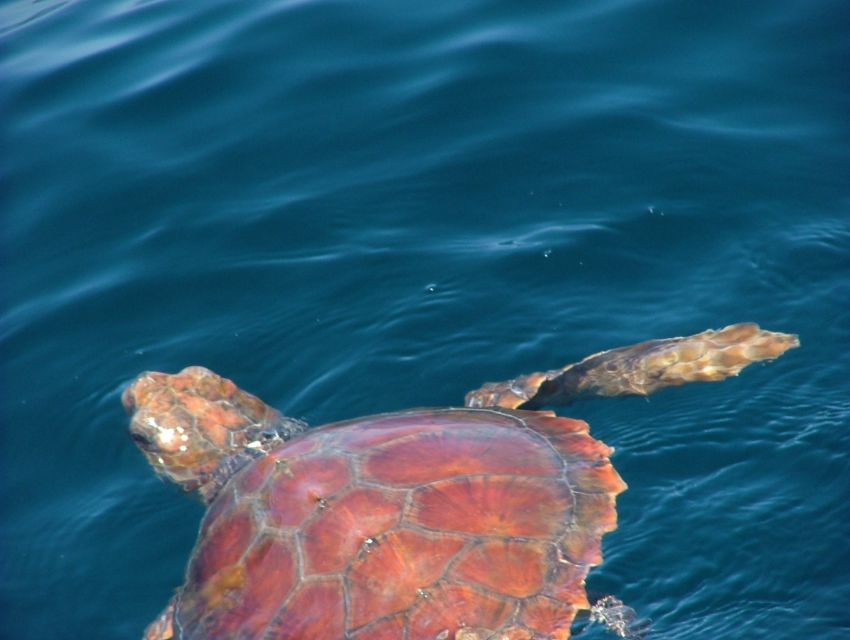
(364, 453)
(281, 609)
(431, 536)
(323, 503)
(564, 477)
(471, 541)
(364, 548)
(346, 602)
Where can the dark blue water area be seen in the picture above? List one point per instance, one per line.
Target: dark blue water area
(354, 207)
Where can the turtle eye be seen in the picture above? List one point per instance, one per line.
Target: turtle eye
(142, 441)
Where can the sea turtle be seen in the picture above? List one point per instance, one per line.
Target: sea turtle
(466, 523)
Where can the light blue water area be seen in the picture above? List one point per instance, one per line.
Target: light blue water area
(353, 207)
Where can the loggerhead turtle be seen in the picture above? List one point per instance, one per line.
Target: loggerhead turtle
(466, 523)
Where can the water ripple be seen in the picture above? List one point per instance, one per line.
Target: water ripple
(360, 207)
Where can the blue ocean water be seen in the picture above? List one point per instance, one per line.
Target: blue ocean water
(353, 207)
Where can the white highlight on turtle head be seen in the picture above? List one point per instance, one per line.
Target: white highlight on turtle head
(165, 435)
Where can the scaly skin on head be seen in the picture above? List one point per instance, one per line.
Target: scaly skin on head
(192, 425)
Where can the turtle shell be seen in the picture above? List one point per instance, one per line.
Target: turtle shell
(426, 524)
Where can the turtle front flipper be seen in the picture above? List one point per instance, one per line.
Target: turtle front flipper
(640, 369)
(163, 627)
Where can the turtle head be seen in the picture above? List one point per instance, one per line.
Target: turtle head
(192, 425)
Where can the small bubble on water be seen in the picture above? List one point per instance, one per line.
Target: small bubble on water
(547, 253)
(430, 288)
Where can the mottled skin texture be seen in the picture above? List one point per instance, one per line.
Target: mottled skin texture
(640, 369)
(458, 523)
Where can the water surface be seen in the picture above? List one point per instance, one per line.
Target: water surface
(358, 207)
